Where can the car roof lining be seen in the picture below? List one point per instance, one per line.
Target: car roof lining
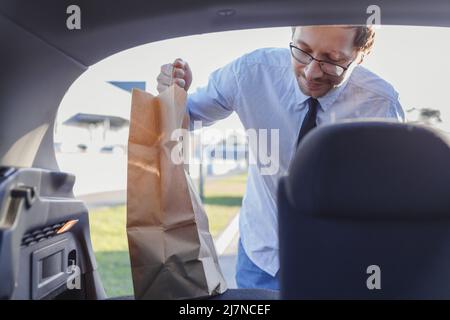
(109, 27)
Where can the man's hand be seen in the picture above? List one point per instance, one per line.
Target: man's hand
(177, 72)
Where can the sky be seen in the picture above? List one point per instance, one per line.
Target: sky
(415, 60)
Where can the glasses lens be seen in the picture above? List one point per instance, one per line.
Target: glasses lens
(331, 69)
(300, 56)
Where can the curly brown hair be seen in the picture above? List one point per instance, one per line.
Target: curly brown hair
(364, 38)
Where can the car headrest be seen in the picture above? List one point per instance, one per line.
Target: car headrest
(371, 170)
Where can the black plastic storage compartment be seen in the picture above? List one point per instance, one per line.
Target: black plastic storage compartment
(45, 247)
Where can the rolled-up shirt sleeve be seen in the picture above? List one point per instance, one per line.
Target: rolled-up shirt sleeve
(216, 100)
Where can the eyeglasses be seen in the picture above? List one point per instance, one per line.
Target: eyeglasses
(328, 68)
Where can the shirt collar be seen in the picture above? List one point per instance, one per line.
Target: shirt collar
(300, 97)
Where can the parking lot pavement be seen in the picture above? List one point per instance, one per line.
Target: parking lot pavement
(104, 199)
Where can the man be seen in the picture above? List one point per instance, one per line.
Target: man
(317, 80)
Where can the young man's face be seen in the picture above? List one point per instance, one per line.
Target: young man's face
(328, 43)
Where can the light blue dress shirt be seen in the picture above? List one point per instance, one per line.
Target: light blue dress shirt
(261, 88)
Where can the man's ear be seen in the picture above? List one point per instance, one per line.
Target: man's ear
(361, 57)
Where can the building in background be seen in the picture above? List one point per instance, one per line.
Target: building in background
(98, 125)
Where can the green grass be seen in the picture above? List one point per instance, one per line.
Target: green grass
(109, 239)
(223, 199)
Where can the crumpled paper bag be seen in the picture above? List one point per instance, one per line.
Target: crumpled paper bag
(171, 250)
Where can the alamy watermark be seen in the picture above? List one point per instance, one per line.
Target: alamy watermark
(374, 18)
(74, 279)
(261, 146)
(73, 21)
(374, 280)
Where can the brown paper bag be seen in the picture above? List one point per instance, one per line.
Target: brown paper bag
(171, 250)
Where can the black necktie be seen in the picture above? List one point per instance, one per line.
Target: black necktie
(309, 122)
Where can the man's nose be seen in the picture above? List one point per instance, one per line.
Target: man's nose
(313, 71)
